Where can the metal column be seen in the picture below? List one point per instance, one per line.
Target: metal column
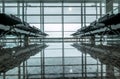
(63, 58)
(4, 76)
(3, 6)
(109, 5)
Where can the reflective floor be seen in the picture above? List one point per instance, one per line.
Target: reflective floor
(61, 61)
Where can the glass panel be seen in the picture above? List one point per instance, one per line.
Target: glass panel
(72, 10)
(13, 71)
(0, 4)
(11, 77)
(37, 55)
(72, 60)
(73, 69)
(68, 34)
(52, 10)
(33, 4)
(33, 10)
(55, 76)
(72, 4)
(12, 10)
(10, 4)
(72, 75)
(91, 10)
(0, 10)
(72, 19)
(54, 34)
(1, 77)
(115, 4)
(72, 52)
(90, 18)
(103, 4)
(21, 11)
(33, 19)
(53, 69)
(71, 27)
(34, 70)
(33, 76)
(92, 68)
(91, 61)
(54, 45)
(103, 10)
(53, 27)
(53, 53)
(36, 25)
(33, 61)
(68, 45)
(52, 19)
(53, 4)
(90, 4)
(115, 8)
(53, 61)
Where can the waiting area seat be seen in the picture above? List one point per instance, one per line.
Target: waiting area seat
(99, 26)
(12, 24)
(110, 19)
(13, 57)
(9, 20)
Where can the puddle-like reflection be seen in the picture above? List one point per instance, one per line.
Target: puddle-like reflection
(13, 57)
(107, 55)
(57, 62)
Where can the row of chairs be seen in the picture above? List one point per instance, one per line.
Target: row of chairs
(12, 20)
(105, 21)
(13, 57)
(9, 20)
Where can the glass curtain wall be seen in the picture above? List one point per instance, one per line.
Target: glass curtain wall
(59, 20)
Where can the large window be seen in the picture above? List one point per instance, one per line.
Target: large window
(56, 18)
(59, 20)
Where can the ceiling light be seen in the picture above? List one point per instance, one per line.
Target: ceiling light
(70, 8)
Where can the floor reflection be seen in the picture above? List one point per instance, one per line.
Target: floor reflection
(58, 61)
(13, 57)
(107, 55)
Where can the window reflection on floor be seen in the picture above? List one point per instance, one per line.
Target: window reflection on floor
(62, 60)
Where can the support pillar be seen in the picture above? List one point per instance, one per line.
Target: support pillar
(92, 40)
(101, 40)
(19, 72)
(82, 40)
(4, 77)
(110, 72)
(119, 6)
(109, 5)
(3, 6)
(101, 71)
(26, 40)
(77, 39)
(24, 74)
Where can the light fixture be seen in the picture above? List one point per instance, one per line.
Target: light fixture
(71, 69)
(70, 8)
